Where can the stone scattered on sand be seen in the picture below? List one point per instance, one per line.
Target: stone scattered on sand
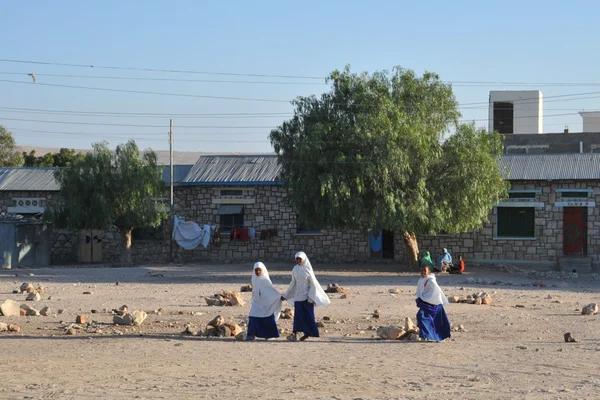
(224, 331)
(33, 296)
(3, 327)
(60, 311)
(81, 319)
(14, 328)
(288, 313)
(344, 296)
(29, 311)
(225, 298)
(234, 328)
(246, 288)
(27, 288)
(478, 301)
(10, 308)
(520, 347)
(394, 291)
(139, 317)
(486, 300)
(413, 337)
(408, 324)
(335, 288)
(390, 332)
(211, 331)
(124, 319)
(71, 332)
(569, 338)
(377, 314)
(240, 337)
(326, 318)
(453, 299)
(189, 331)
(87, 292)
(590, 309)
(216, 321)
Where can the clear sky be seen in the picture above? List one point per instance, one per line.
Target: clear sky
(527, 41)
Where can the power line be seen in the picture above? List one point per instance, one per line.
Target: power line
(148, 92)
(162, 79)
(223, 126)
(158, 69)
(454, 82)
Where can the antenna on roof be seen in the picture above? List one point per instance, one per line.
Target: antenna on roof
(566, 129)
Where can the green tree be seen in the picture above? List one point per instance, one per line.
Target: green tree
(371, 153)
(110, 189)
(47, 160)
(9, 156)
(66, 157)
(29, 159)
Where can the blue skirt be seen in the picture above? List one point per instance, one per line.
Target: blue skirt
(304, 318)
(265, 328)
(432, 321)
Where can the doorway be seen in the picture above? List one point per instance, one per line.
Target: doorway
(575, 231)
(381, 243)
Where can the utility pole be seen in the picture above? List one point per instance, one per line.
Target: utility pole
(171, 203)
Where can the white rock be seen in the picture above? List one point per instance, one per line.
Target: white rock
(10, 308)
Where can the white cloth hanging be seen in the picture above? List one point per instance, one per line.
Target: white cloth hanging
(189, 234)
(266, 300)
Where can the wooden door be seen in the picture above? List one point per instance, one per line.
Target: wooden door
(575, 231)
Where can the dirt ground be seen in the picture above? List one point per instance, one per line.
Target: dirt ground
(507, 352)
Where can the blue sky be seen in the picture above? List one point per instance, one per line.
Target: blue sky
(510, 41)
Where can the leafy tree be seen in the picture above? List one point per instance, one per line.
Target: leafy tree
(64, 158)
(9, 156)
(370, 153)
(110, 189)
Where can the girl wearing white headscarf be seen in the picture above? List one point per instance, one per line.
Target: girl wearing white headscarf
(266, 305)
(306, 293)
(432, 320)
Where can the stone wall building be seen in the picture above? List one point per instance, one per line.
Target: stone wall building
(549, 219)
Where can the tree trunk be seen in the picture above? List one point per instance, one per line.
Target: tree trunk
(126, 246)
(412, 247)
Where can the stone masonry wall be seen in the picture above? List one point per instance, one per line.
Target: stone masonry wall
(269, 211)
(548, 243)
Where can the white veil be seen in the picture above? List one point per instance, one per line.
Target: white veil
(316, 292)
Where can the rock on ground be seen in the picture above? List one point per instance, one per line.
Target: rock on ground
(3, 327)
(590, 309)
(246, 288)
(288, 313)
(81, 319)
(234, 328)
(453, 299)
(390, 332)
(34, 296)
(569, 338)
(45, 311)
(139, 317)
(29, 311)
(408, 324)
(27, 288)
(10, 308)
(335, 288)
(240, 337)
(216, 322)
(14, 328)
(125, 319)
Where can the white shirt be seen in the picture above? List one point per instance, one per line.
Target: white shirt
(299, 286)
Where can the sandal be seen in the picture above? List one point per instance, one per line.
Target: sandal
(292, 337)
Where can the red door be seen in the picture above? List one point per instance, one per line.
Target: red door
(575, 230)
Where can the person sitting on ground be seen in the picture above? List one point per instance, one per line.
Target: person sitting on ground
(459, 267)
(426, 261)
(444, 261)
(432, 320)
(266, 305)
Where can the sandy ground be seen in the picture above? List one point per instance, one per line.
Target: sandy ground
(506, 352)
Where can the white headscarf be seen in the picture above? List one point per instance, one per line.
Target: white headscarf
(266, 300)
(315, 292)
(430, 292)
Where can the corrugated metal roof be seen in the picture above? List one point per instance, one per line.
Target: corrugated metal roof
(28, 179)
(234, 170)
(179, 173)
(572, 166)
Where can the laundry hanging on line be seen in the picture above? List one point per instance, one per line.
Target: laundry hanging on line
(190, 235)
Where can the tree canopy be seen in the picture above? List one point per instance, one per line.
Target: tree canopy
(372, 153)
(9, 156)
(107, 189)
(64, 158)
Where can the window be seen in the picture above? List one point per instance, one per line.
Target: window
(521, 195)
(231, 216)
(140, 234)
(516, 222)
(575, 195)
(303, 227)
(503, 117)
(232, 192)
